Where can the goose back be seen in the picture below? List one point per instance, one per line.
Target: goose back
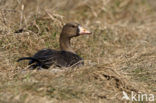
(48, 57)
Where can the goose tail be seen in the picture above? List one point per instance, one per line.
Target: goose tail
(28, 58)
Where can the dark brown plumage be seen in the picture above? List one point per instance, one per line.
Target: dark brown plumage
(66, 57)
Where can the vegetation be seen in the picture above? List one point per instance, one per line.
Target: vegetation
(119, 56)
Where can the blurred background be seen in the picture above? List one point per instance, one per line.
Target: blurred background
(102, 11)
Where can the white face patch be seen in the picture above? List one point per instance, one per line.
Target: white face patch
(83, 30)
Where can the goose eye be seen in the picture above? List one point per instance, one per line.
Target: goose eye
(73, 26)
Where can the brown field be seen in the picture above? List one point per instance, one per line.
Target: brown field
(119, 56)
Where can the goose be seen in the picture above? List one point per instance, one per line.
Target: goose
(65, 57)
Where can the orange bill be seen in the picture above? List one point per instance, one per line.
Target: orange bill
(83, 30)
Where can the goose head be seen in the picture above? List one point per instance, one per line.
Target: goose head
(71, 30)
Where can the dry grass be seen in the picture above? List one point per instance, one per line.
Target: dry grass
(119, 56)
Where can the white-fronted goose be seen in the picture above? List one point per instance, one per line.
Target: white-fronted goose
(66, 57)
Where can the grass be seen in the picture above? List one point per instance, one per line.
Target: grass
(119, 55)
